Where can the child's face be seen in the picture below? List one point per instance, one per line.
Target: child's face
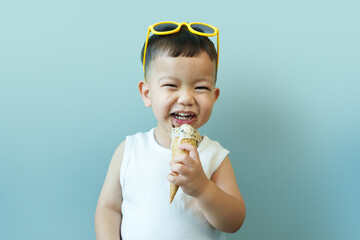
(180, 90)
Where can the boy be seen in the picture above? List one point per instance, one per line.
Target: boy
(180, 67)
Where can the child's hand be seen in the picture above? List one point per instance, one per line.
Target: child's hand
(191, 178)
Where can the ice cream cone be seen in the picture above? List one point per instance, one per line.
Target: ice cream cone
(183, 134)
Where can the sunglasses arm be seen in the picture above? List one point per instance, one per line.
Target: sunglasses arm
(145, 47)
(217, 64)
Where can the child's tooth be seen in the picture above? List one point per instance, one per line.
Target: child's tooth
(184, 116)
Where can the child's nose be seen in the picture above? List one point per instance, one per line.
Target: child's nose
(186, 98)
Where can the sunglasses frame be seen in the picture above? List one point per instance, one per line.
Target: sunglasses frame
(177, 29)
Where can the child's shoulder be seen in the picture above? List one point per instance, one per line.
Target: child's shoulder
(119, 151)
(208, 142)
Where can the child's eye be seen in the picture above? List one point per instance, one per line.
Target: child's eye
(169, 85)
(203, 88)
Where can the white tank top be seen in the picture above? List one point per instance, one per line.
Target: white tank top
(146, 211)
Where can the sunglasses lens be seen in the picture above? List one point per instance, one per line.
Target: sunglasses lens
(203, 28)
(165, 27)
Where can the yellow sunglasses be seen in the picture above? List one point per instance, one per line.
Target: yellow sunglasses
(166, 28)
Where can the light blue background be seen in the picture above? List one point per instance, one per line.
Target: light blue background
(288, 111)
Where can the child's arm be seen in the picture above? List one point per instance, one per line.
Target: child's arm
(221, 201)
(108, 210)
(219, 198)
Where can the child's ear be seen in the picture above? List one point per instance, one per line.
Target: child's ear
(217, 93)
(145, 93)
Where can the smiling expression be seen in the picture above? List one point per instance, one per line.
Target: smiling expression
(180, 90)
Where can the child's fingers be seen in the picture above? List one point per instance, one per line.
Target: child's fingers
(193, 153)
(183, 159)
(171, 177)
(175, 179)
(186, 146)
(179, 168)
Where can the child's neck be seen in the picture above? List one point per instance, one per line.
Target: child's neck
(162, 137)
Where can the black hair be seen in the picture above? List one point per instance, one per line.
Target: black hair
(180, 44)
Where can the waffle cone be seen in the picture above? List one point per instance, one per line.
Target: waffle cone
(175, 151)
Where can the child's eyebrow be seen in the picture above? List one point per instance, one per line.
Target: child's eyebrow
(166, 78)
(207, 79)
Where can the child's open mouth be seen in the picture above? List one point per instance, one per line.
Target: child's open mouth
(183, 118)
